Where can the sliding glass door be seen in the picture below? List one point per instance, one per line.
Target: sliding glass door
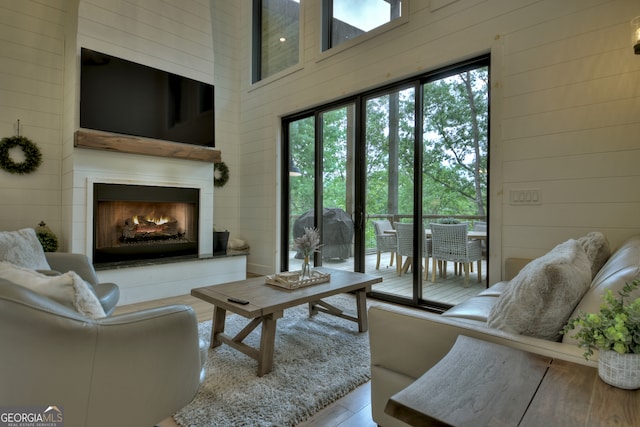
(337, 138)
(455, 147)
(321, 185)
(389, 183)
(412, 153)
(300, 179)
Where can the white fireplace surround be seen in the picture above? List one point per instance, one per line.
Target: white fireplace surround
(205, 237)
(162, 280)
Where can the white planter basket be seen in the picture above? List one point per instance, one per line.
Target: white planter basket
(619, 370)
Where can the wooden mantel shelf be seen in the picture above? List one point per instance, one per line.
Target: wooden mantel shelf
(85, 138)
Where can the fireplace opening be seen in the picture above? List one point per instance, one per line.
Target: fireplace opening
(137, 222)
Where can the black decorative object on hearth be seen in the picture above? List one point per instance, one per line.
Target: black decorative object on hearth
(220, 242)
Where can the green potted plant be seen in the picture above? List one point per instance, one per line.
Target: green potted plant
(47, 237)
(615, 332)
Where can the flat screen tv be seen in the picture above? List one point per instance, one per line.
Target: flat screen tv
(124, 97)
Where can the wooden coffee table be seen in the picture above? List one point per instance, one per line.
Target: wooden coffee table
(266, 304)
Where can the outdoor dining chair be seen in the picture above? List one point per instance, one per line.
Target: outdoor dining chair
(385, 242)
(404, 235)
(451, 243)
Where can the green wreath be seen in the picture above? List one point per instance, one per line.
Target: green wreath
(32, 155)
(224, 174)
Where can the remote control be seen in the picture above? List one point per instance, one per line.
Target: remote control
(238, 301)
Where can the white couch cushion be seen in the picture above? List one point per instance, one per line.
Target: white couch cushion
(476, 308)
(540, 299)
(495, 290)
(23, 248)
(68, 289)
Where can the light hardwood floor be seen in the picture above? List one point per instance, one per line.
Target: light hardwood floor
(353, 410)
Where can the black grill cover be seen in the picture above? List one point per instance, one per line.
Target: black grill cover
(337, 232)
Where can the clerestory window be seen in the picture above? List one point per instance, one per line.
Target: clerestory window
(276, 36)
(345, 20)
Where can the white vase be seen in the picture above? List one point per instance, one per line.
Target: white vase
(619, 370)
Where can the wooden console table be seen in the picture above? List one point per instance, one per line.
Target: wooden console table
(479, 383)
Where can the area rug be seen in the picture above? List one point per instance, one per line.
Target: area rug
(317, 360)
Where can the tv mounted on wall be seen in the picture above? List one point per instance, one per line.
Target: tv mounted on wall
(124, 97)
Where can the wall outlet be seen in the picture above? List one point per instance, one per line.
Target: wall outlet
(524, 197)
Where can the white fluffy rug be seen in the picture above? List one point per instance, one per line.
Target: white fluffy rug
(317, 360)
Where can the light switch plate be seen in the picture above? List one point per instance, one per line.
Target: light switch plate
(525, 197)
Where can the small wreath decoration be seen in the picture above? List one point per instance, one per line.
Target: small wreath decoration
(223, 170)
(32, 155)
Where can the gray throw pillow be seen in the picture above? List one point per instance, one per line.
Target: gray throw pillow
(23, 248)
(540, 299)
(596, 246)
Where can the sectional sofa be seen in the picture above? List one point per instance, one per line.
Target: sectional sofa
(405, 342)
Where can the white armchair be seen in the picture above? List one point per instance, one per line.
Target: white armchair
(132, 370)
(107, 293)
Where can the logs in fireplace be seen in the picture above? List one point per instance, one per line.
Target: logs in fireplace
(140, 228)
(134, 223)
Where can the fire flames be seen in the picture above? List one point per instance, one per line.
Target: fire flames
(149, 224)
(157, 221)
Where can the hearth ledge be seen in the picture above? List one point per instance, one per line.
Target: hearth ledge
(157, 281)
(161, 261)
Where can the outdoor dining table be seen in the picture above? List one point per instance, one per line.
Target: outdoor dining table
(471, 235)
